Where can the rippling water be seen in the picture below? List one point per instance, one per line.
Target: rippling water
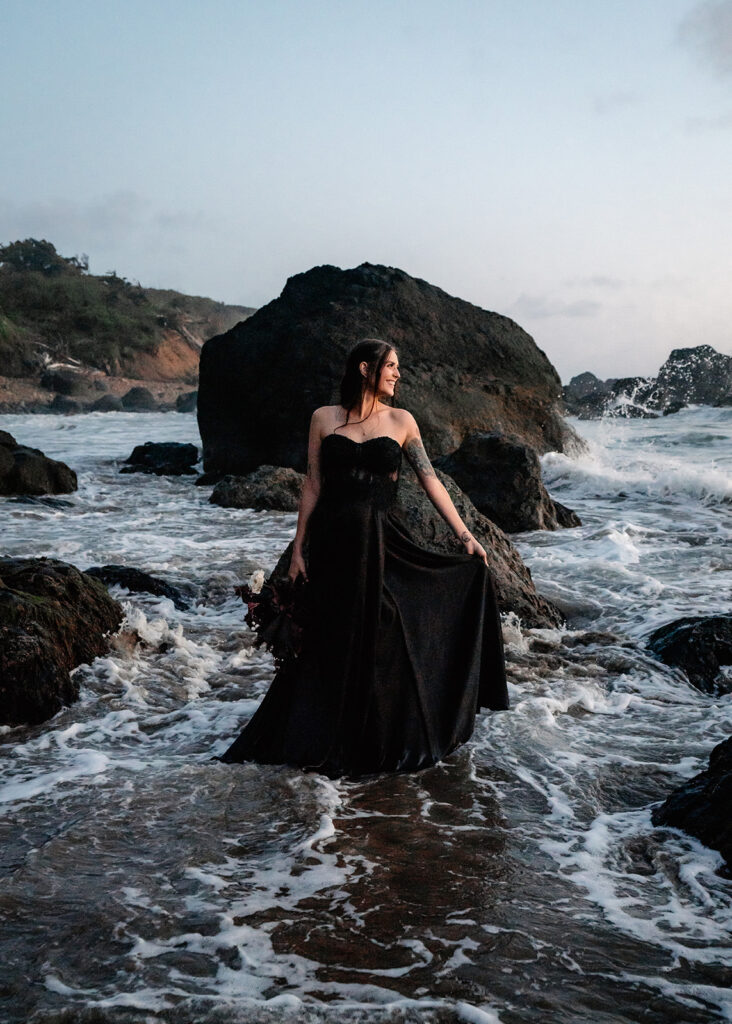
(521, 880)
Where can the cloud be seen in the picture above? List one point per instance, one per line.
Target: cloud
(597, 281)
(707, 31)
(613, 101)
(538, 307)
(697, 125)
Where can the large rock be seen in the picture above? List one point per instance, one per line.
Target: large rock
(701, 646)
(139, 399)
(163, 458)
(588, 397)
(463, 368)
(702, 805)
(699, 375)
(187, 402)
(52, 618)
(502, 478)
(65, 381)
(107, 403)
(515, 588)
(28, 471)
(269, 487)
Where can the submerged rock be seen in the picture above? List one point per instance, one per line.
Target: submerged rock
(464, 368)
(28, 471)
(502, 478)
(701, 646)
(52, 618)
(163, 458)
(137, 580)
(269, 487)
(702, 805)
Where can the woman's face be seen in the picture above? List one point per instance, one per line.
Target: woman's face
(388, 377)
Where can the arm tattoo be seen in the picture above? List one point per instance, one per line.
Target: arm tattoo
(465, 536)
(418, 457)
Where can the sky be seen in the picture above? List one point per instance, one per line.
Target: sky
(567, 163)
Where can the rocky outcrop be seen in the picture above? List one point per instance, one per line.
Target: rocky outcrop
(163, 458)
(464, 369)
(52, 618)
(136, 580)
(502, 478)
(701, 646)
(515, 588)
(690, 376)
(26, 470)
(269, 487)
(701, 806)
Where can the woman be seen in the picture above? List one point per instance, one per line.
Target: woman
(402, 645)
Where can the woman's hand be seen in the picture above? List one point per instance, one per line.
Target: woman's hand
(472, 546)
(297, 567)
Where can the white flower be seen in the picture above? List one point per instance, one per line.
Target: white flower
(256, 581)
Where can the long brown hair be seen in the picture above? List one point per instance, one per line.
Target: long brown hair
(374, 352)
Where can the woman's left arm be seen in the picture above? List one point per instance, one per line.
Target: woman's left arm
(436, 490)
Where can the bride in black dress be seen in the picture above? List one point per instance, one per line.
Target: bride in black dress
(402, 645)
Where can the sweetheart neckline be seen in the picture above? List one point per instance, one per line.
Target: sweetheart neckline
(378, 437)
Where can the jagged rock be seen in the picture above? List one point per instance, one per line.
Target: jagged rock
(701, 646)
(463, 368)
(699, 375)
(187, 402)
(163, 458)
(269, 487)
(701, 806)
(26, 470)
(137, 580)
(52, 618)
(502, 477)
(515, 588)
(139, 399)
(107, 403)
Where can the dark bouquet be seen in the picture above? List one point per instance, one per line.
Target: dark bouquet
(277, 613)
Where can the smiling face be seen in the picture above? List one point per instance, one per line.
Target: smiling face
(388, 377)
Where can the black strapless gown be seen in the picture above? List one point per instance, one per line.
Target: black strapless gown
(403, 644)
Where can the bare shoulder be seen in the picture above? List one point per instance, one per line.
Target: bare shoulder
(405, 424)
(324, 417)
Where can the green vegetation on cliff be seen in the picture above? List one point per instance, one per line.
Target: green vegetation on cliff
(52, 307)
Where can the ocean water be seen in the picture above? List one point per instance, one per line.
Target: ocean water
(520, 881)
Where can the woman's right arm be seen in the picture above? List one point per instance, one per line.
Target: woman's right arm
(309, 497)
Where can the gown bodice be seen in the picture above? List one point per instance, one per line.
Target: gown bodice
(366, 471)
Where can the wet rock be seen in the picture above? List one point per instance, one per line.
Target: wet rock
(585, 395)
(699, 375)
(187, 402)
(28, 471)
(502, 478)
(65, 382)
(139, 399)
(163, 458)
(464, 368)
(701, 806)
(52, 618)
(62, 403)
(107, 403)
(701, 646)
(269, 487)
(137, 580)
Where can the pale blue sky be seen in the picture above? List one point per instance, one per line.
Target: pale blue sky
(565, 162)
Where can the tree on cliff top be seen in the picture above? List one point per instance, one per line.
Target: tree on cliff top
(40, 255)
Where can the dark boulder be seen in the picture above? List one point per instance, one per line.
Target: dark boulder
(52, 618)
(139, 399)
(163, 458)
(585, 395)
(187, 402)
(62, 403)
(28, 471)
(269, 487)
(137, 580)
(107, 403)
(515, 588)
(502, 478)
(701, 806)
(464, 369)
(699, 375)
(65, 382)
(701, 646)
